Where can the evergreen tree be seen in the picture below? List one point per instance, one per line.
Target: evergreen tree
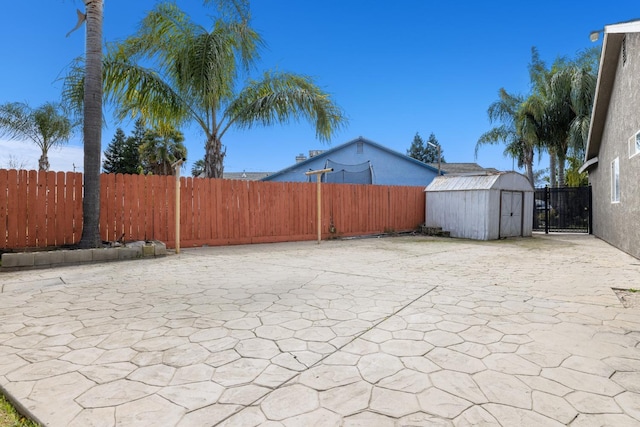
(430, 152)
(121, 156)
(425, 152)
(114, 153)
(139, 132)
(417, 149)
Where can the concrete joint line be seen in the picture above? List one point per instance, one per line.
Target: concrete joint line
(402, 308)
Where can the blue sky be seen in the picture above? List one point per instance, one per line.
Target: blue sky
(396, 68)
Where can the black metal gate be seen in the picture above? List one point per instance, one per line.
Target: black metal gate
(562, 209)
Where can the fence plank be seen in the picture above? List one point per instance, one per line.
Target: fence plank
(127, 206)
(77, 207)
(138, 219)
(12, 203)
(106, 204)
(187, 211)
(51, 208)
(32, 213)
(4, 187)
(59, 209)
(21, 208)
(65, 204)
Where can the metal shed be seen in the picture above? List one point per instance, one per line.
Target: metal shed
(481, 207)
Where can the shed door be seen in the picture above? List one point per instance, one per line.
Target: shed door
(511, 213)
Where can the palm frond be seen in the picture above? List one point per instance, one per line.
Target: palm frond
(15, 121)
(285, 97)
(496, 135)
(237, 10)
(138, 91)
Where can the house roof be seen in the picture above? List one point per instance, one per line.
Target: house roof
(463, 168)
(329, 152)
(506, 180)
(613, 36)
(246, 176)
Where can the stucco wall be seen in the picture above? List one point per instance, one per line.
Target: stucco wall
(619, 223)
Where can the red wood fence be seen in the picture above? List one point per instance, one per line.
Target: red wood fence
(44, 209)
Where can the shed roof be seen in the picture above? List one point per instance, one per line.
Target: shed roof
(502, 180)
(246, 176)
(463, 168)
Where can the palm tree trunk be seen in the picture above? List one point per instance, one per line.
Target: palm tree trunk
(552, 169)
(528, 165)
(561, 178)
(214, 158)
(43, 161)
(92, 125)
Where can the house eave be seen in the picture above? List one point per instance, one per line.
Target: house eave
(611, 46)
(588, 164)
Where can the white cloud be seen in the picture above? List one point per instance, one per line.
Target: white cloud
(26, 154)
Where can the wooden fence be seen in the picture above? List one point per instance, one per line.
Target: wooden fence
(44, 209)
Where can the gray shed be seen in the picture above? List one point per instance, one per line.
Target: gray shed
(481, 207)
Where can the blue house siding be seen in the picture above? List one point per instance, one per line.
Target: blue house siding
(388, 167)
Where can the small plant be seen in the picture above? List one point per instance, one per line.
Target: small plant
(10, 417)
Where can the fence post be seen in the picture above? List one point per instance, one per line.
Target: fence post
(177, 166)
(318, 174)
(547, 202)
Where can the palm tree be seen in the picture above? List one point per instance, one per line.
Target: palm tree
(566, 91)
(46, 126)
(160, 149)
(197, 169)
(194, 78)
(515, 130)
(86, 95)
(573, 87)
(90, 91)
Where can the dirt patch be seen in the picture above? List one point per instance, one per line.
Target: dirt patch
(630, 298)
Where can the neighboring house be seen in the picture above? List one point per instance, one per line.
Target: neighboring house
(360, 161)
(613, 148)
(463, 169)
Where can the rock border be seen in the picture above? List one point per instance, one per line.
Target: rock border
(47, 259)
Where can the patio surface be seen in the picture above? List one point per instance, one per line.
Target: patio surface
(405, 331)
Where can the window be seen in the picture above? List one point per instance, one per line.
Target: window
(634, 144)
(615, 181)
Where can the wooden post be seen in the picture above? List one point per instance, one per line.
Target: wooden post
(318, 174)
(177, 166)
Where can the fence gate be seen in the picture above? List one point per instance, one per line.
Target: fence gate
(562, 209)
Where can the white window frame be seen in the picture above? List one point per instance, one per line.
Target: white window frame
(634, 145)
(615, 180)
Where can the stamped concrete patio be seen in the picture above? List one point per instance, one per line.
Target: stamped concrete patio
(407, 331)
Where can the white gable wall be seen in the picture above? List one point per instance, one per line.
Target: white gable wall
(462, 213)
